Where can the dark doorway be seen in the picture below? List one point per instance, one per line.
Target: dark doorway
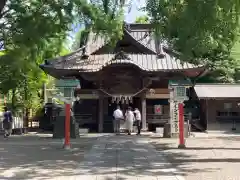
(86, 114)
(108, 120)
(136, 103)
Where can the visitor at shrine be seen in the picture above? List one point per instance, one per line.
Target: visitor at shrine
(118, 116)
(138, 120)
(130, 118)
(7, 122)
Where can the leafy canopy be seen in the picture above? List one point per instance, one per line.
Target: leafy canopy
(142, 19)
(203, 31)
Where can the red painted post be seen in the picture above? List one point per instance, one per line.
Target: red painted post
(181, 126)
(67, 126)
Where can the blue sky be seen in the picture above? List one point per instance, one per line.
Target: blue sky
(135, 12)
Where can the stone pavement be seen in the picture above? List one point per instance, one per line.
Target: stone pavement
(106, 157)
(205, 158)
(125, 158)
(39, 157)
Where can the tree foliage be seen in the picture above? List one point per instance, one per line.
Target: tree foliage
(105, 17)
(142, 19)
(31, 31)
(204, 32)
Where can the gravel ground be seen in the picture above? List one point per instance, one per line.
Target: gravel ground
(205, 158)
(40, 157)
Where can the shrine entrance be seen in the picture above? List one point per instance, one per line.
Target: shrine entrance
(136, 103)
(111, 106)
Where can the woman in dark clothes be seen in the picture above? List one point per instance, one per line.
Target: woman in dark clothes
(7, 122)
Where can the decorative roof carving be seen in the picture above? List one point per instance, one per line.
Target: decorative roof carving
(121, 55)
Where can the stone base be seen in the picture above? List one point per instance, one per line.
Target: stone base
(175, 135)
(67, 147)
(181, 146)
(144, 130)
(167, 131)
(234, 129)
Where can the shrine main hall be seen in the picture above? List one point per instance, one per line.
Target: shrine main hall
(136, 72)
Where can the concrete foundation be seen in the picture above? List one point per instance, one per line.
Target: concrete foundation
(167, 131)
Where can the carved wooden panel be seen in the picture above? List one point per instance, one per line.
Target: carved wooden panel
(122, 80)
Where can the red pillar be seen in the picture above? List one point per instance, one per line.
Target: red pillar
(181, 126)
(67, 126)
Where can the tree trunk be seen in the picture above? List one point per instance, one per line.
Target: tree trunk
(26, 117)
(13, 105)
(26, 109)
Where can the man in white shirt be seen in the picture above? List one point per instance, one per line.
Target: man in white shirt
(118, 116)
(138, 120)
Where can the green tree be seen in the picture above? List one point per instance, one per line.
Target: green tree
(31, 31)
(204, 32)
(142, 19)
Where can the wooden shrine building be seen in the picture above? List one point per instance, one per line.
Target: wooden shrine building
(135, 72)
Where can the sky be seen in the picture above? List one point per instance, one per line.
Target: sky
(131, 16)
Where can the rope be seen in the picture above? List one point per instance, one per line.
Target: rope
(120, 95)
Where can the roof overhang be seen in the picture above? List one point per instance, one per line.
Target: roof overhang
(217, 91)
(58, 73)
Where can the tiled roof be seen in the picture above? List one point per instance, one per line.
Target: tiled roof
(139, 34)
(146, 62)
(208, 91)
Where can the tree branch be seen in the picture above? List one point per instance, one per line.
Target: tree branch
(2, 14)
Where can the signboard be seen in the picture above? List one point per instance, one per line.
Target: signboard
(158, 109)
(174, 117)
(178, 90)
(177, 95)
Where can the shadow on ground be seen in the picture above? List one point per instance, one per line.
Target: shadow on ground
(115, 157)
(23, 157)
(202, 156)
(129, 156)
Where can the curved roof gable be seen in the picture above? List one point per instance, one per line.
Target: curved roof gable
(139, 35)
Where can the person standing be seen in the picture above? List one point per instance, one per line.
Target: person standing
(138, 120)
(118, 116)
(7, 122)
(130, 118)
